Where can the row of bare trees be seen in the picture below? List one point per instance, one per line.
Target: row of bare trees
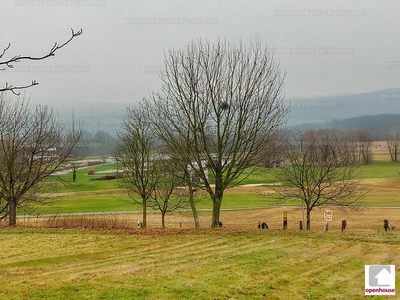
(150, 179)
(218, 114)
(219, 106)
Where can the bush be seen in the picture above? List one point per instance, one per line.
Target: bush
(91, 171)
(94, 162)
(106, 177)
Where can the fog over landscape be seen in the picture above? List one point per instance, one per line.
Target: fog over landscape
(326, 48)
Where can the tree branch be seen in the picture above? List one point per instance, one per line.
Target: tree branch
(17, 58)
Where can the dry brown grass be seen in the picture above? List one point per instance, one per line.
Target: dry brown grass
(380, 151)
(364, 221)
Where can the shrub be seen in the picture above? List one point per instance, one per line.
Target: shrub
(119, 175)
(94, 162)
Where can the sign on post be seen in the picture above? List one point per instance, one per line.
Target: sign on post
(327, 215)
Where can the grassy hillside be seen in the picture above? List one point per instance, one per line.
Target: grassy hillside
(205, 264)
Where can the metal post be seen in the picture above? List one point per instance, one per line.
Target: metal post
(284, 220)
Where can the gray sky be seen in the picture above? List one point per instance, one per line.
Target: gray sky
(326, 47)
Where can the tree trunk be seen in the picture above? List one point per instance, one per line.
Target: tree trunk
(193, 207)
(144, 213)
(74, 174)
(163, 219)
(13, 213)
(308, 219)
(217, 200)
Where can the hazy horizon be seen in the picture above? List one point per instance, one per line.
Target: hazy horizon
(325, 48)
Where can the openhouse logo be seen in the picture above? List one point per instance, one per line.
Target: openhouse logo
(379, 280)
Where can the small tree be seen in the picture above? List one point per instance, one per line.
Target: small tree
(33, 145)
(105, 143)
(136, 154)
(167, 197)
(73, 172)
(318, 171)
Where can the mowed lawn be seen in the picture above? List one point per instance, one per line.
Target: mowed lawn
(382, 180)
(189, 264)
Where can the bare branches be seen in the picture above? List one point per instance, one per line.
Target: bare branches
(135, 154)
(13, 89)
(320, 169)
(393, 143)
(218, 107)
(33, 145)
(18, 58)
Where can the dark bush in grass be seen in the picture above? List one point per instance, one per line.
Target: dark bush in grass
(106, 177)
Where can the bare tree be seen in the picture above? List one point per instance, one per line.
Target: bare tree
(9, 63)
(393, 142)
(178, 151)
(136, 154)
(224, 103)
(168, 195)
(272, 154)
(105, 144)
(365, 144)
(33, 145)
(318, 172)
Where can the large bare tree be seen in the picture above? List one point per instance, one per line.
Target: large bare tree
(9, 62)
(320, 169)
(223, 103)
(34, 144)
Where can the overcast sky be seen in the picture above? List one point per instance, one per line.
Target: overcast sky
(326, 47)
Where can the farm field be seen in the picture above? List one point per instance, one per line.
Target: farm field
(189, 264)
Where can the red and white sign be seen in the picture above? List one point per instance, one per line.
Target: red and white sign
(327, 215)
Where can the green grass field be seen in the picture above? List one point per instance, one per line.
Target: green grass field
(179, 264)
(380, 170)
(87, 196)
(227, 263)
(83, 182)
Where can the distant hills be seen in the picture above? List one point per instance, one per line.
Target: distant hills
(378, 109)
(326, 109)
(382, 122)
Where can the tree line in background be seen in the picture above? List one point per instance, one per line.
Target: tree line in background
(101, 143)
